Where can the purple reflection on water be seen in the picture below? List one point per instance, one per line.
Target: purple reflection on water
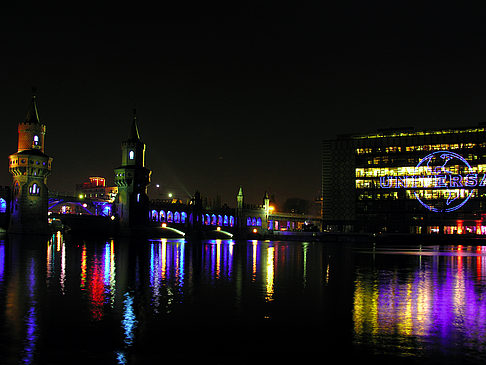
(438, 300)
(30, 318)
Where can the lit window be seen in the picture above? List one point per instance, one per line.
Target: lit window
(131, 155)
(3, 205)
(36, 140)
(231, 221)
(183, 217)
(169, 216)
(34, 189)
(177, 217)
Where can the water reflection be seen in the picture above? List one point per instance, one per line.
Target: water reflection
(30, 318)
(218, 259)
(126, 300)
(166, 272)
(439, 301)
(98, 277)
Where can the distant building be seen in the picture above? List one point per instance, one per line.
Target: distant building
(406, 180)
(96, 189)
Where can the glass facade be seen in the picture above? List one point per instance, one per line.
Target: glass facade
(406, 181)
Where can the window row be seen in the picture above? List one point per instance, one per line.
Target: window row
(170, 217)
(254, 222)
(181, 217)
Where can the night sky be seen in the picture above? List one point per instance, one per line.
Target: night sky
(230, 96)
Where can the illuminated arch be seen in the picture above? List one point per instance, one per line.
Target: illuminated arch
(225, 220)
(162, 216)
(213, 219)
(220, 220)
(253, 222)
(183, 217)
(155, 216)
(248, 221)
(231, 221)
(259, 222)
(207, 221)
(169, 216)
(177, 217)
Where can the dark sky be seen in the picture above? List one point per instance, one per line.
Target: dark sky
(230, 96)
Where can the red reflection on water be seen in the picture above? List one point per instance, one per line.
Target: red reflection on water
(96, 290)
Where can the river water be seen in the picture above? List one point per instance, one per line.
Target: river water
(137, 301)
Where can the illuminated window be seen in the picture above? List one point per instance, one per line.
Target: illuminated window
(169, 216)
(220, 220)
(183, 217)
(259, 222)
(177, 217)
(231, 221)
(253, 222)
(213, 219)
(248, 221)
(131, 155)
(36, 140)
(155, 216)
(206, 220)
(162, 216)
(225, 220)
(3, 205)
(34, 189)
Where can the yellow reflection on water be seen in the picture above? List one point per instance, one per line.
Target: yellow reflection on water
(270, 273)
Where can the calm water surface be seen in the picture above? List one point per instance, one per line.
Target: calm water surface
(68, 301)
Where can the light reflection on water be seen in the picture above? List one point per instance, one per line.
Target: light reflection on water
(430, 300)
(124, 300)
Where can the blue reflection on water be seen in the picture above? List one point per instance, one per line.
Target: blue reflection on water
(30, 318)
(129, 322)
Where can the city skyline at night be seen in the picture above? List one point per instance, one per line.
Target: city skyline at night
(235, 98)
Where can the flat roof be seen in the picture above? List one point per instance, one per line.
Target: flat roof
(411, 132)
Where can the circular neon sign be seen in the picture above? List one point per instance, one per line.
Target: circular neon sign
(446, 171)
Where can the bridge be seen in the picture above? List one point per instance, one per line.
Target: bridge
(170, 218)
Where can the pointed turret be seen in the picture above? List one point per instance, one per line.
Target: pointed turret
(240, 201)
(30, 167)
(134, 135)
(32, 113)
(132, 179)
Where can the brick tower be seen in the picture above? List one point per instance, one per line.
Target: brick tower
(30, 167)
(132, 179)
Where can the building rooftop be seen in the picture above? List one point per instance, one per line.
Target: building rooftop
(411, 132)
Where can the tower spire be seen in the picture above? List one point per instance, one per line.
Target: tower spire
(134, 135)
(32, 113)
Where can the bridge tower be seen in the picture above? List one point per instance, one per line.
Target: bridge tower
(30, 167)
(240, 201)
(132, 179)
